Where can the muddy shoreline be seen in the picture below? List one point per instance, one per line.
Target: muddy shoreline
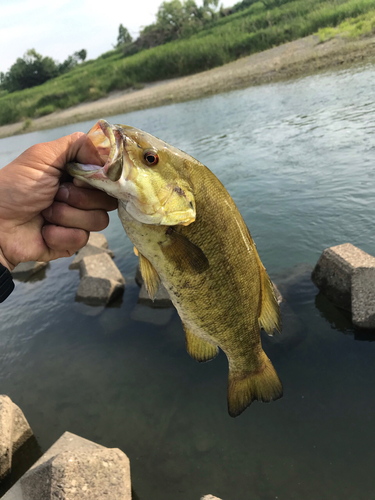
(290, 60)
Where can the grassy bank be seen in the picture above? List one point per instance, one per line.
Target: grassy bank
(363, 25)
(248, 31)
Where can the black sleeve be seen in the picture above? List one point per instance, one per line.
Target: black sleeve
(6, 283)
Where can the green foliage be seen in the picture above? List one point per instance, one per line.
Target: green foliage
(350, 28)
(123, 38)
(227, 38)
(30, 70)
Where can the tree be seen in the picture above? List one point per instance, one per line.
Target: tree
(30, 70)
(81, 54)
(123, 37)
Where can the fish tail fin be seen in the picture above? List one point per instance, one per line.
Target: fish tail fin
(261, 385)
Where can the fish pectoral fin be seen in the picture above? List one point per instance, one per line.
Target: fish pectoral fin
(183, 253)
(199, 349)
(270, 315)
(136, 252)
(149, 275)
(260, 385)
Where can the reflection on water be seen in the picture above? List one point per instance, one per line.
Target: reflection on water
(299, 159)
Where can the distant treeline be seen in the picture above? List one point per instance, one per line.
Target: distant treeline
(33, 69)
(246, 28)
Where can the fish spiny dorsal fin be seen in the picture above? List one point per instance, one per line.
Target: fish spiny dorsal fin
(270, 316)
(199, 349)
(149, 275)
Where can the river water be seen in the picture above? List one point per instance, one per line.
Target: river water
(298, 158)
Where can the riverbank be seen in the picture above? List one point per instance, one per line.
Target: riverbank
(293, 59)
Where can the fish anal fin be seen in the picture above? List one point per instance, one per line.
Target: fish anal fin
(199, 349)
(149, 275)
(262, 385)
(185, 255)
(270, 315)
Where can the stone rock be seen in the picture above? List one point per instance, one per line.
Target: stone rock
(14, 432)
(98, 240)
(101, 280)
(345, 274)
(160, 301)
(75, 475)
(209, 497)
(25, 270)
(86, 251)
(363, 297)
(75, 468)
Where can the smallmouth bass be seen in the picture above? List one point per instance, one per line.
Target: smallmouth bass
(189, 234)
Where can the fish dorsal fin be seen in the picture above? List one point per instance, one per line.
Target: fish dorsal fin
(270, 316)
(149, 275)
(199, 349)
(185, 255)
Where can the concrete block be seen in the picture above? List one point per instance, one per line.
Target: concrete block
(345, 274)
(86, 251)
(101, 266)
(138, 276)
(160, 301)
(75, 468)
(98, 240)
(25, 270)
(209, 497)
(14, 432)
(363, 297)
(101, 280)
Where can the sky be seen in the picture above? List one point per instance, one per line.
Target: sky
(58, 28)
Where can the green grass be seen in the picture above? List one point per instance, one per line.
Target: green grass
(245, 32)
(350, 28)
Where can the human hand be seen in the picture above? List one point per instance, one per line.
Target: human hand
(41, 220)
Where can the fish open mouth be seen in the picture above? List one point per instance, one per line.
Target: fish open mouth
(108, 141)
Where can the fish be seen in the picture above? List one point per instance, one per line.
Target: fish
(190, 236)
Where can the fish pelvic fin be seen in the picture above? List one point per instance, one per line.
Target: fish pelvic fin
(149, 275)
(261, 385)
(199, 349)
(270, 315)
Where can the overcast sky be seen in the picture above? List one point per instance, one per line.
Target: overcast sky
(58, 28)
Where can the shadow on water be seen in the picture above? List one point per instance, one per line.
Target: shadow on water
(340, 319)
(22, 460)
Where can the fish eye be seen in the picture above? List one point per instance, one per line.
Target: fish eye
(151, 158)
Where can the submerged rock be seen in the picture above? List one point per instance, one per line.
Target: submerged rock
(161, 299)
(345, 274)
(101, 280)
(14, 432)
(25, 270)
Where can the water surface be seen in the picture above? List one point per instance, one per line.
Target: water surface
(298, 158)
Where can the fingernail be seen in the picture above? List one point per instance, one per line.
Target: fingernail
(63, 193)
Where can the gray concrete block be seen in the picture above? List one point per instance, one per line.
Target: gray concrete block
(86, 251)
(363, 297)
(98, 240)
(160, 301)
(101, 280)
(75, 475)
(25, 270)
(209, 497)
(138, 276)
(14, 432)
(75, 468)
(334, 269)
(101, 266)
(346, 275)
(96, 291)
